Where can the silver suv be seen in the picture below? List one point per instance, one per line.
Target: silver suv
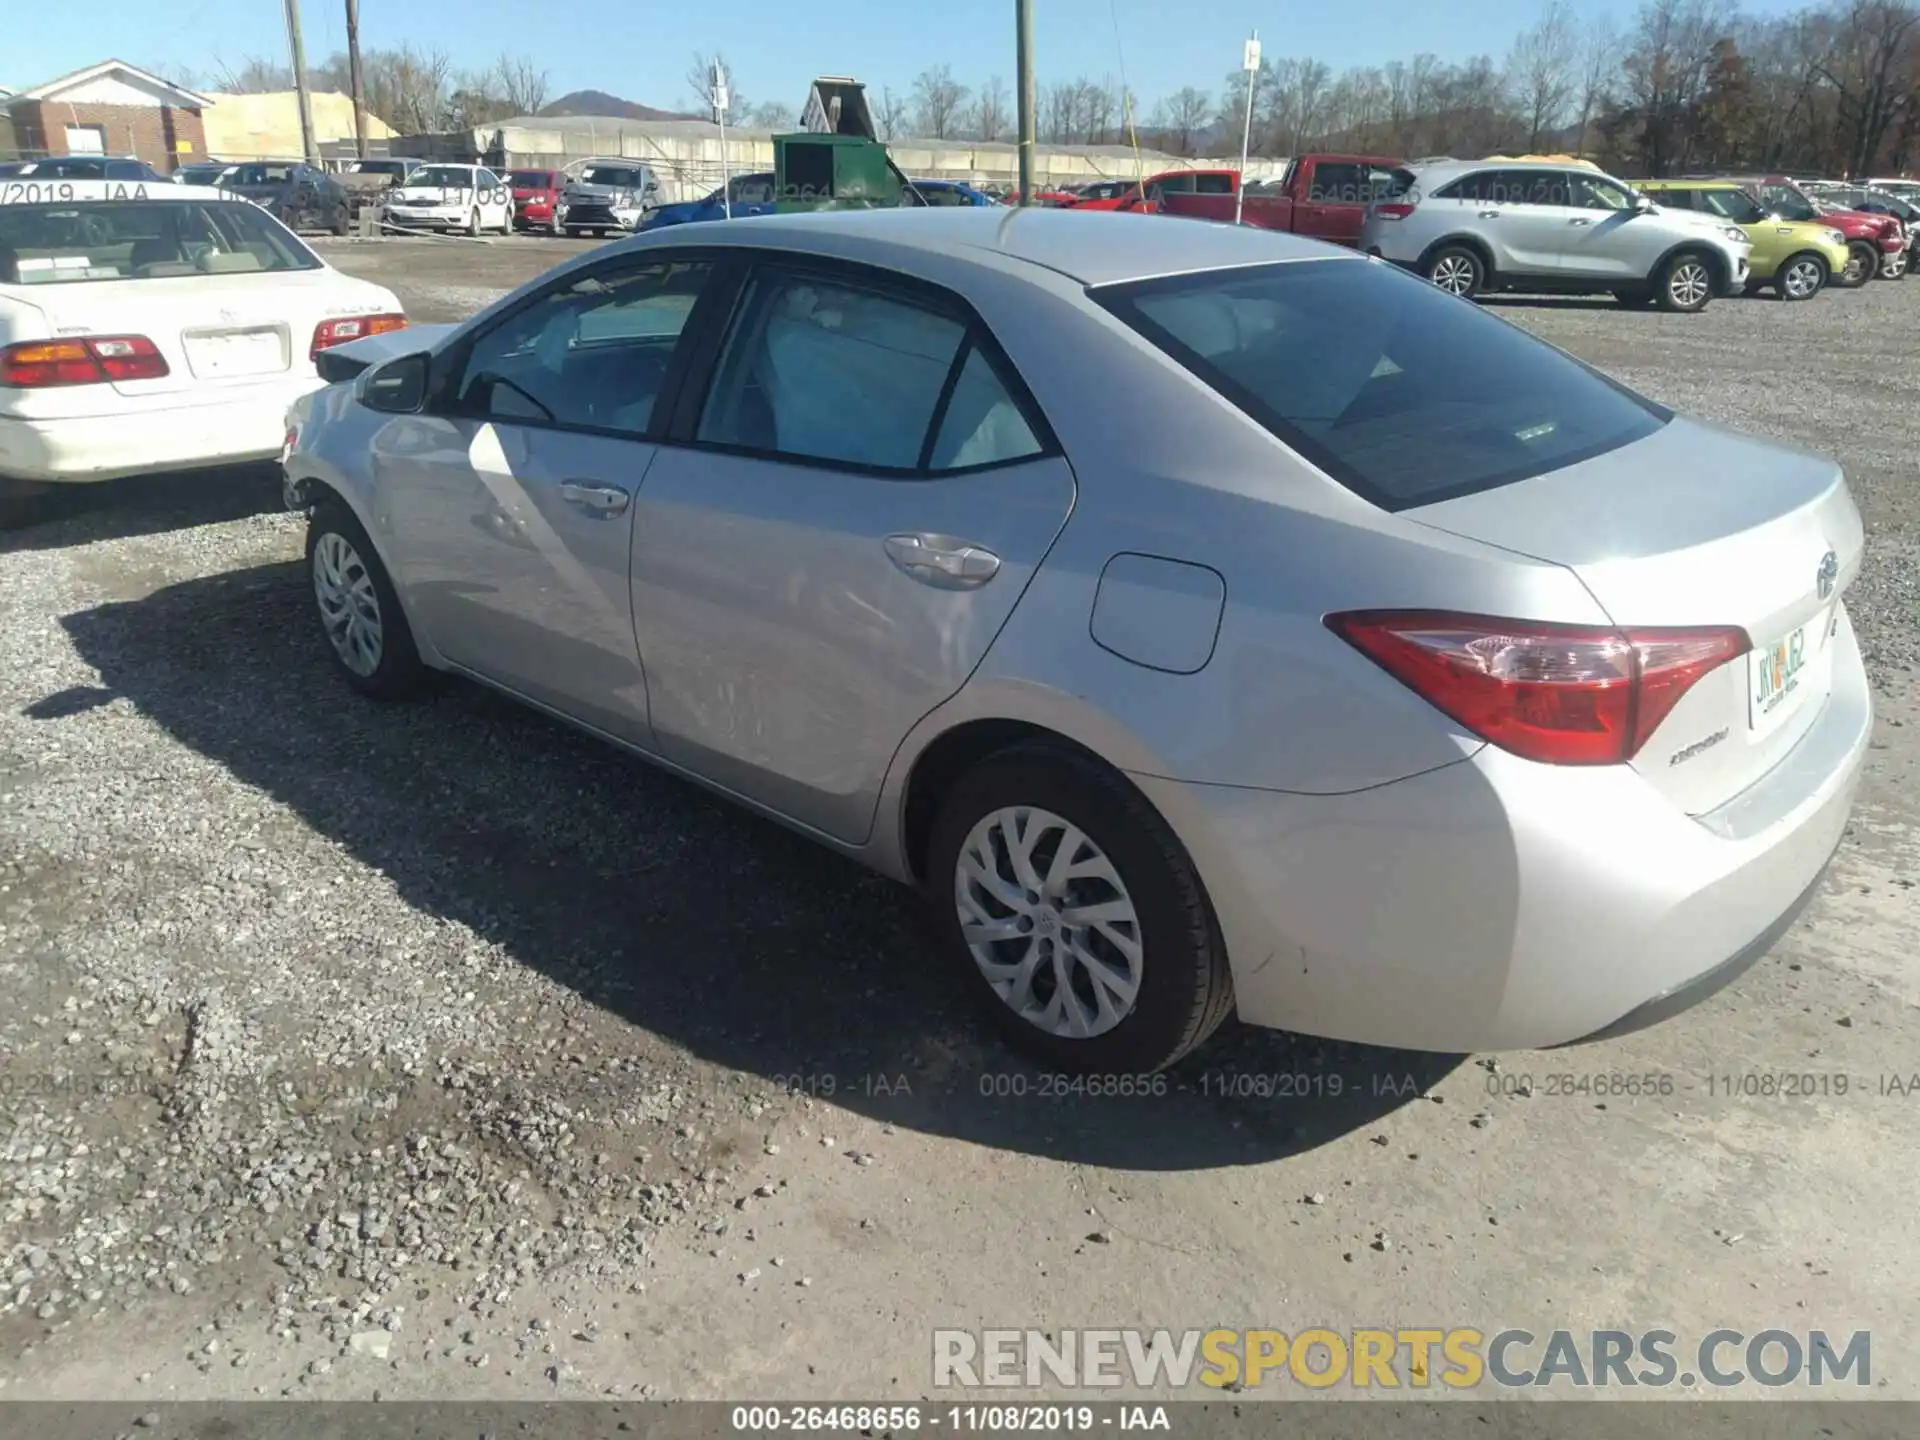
(1474, 226)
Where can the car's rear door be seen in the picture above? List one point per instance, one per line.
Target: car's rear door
(841, 521)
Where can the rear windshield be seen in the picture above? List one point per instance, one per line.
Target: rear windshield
(1404, 394)
(142, 240)
(261, 175)
(532, 179)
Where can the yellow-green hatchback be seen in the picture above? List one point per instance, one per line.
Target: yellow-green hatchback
(1793, 258)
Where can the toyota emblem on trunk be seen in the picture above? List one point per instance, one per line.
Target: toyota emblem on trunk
(1828, 573)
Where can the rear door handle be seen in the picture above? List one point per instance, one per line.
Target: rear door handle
(943, 561)
(594, 498)
(1579, 220)
(1489, 214)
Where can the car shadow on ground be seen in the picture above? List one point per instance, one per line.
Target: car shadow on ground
(67, 515)
(671, 909)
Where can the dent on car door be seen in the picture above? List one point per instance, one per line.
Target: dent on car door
(858, 500)
(510, 506)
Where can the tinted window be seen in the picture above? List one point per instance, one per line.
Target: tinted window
(1734, 205)
(1343, 182)
(144, 240)
(1402, 393)
(823, 370)
(533, 179)
(618, 176)
(753, 190)
(1492, 185)
(592, 354)
(261, 174)
(1214, 184)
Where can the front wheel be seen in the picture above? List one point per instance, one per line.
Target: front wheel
(1893, 266)
(366, 631)
(473, 224)
(1456, 270)
(1800, 277)
(1863, 262)
(1077, 913)
(1685, 285)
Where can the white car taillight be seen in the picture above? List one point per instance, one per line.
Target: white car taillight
(329, 333)
(89, 360)
(1393, 209)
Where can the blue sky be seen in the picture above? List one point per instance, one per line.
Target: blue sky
(641, 51)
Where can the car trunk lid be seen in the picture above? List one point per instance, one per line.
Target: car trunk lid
(1696, 527)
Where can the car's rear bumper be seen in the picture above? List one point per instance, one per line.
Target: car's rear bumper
(1498, 904)
(250, 426)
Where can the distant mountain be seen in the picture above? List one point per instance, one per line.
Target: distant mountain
(598, 102)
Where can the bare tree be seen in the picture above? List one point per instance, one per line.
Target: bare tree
(1870, 65)
(521, 86)
(774, 115)
(1665, 74)
(890, 115)
(1599, 66)
(254, 75)
(938, 100)
(1182, 116)
(699, 78)
(1543, 71)
(989, 118)
(409, 88)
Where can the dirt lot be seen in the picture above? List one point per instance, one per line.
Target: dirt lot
(439, 1051)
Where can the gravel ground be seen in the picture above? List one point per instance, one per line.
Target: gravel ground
(438, 1051)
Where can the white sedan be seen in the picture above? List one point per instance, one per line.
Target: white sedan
(452, 197)
(151, 327)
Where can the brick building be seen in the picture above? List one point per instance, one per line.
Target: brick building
(112, 108)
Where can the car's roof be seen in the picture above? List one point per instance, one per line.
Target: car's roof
(1462, 167)
(1686, 184)
(1094, 248)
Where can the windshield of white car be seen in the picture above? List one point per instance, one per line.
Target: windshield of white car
(448, 177)
(143, 240)
(1404, 394)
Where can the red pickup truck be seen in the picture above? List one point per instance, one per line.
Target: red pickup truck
(1321, 196)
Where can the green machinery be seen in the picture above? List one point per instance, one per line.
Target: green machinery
(836, 162)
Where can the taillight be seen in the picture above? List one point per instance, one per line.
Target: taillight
(329, 333)
(1559, 694)
(1393, 209)
(83, 360)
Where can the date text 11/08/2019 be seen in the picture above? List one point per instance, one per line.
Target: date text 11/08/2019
(960, 1419)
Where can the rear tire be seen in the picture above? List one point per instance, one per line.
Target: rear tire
(1685, 284)
(1800, 277)
(1863, 263)
(1456, 270)
(22, 502)
(366, 631)
(1167, 986)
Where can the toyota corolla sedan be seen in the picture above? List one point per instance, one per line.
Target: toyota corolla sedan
(1205, 619)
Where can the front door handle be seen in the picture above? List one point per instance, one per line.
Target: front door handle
(594, 498)
(943, 561)
(1489, 214)
(1579, 220)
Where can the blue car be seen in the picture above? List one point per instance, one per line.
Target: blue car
(752, 195)
(951, 192)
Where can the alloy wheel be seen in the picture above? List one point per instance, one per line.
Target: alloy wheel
(349, 605)
(1801, 278)
(1047, 918)
(1690, 284)
(1455, 274)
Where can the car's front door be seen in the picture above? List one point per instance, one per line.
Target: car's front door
(1607, 236)
(843, 520)
(495, 200)
(510, 507)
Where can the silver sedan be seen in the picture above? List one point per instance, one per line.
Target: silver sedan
(1206, 620)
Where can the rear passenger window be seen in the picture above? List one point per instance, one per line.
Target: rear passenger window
(825, 371)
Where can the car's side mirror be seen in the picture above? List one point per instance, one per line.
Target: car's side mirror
(1642, 204)
(398, 387)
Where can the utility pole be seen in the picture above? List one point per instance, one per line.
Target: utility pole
(359, 89)
(1250, 62)
(300, 82)
(1024, 93)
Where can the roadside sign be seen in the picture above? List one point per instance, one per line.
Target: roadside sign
(1252, 59)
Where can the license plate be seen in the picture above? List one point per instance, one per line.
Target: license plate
(1777, 671)
(236, 352)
